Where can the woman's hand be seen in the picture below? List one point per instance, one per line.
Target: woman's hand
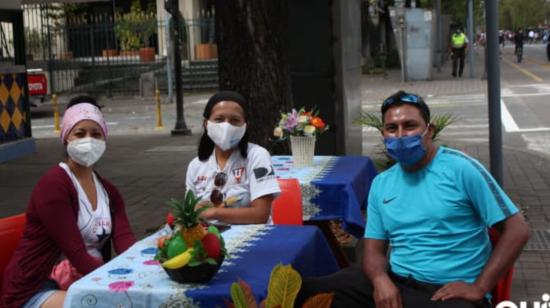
(209, 214)
(203, 203)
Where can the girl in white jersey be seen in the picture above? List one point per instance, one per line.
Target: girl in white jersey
(233, 175)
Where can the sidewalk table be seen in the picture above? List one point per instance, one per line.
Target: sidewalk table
(134, 279)
(334, 187)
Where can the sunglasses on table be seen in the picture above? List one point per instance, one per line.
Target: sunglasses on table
(216, 197)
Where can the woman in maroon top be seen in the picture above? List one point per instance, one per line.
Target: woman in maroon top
(72, 218)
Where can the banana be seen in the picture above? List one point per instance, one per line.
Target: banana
(180, 260)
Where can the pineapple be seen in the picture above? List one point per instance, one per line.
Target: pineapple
(187, 217)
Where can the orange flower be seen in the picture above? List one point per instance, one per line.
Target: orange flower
(318, 122)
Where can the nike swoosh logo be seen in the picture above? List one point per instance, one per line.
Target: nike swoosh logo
(386, 201)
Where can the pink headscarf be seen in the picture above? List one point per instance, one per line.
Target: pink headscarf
(79, 112)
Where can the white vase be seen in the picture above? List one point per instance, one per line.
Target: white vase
(303, 149)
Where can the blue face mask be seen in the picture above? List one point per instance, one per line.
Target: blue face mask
(406, 150)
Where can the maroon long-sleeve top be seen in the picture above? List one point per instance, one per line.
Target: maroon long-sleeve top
(52, 231)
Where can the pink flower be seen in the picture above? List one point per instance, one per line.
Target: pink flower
(120, 286)
(292, 120)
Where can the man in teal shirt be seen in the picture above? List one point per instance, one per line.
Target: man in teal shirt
(433, 209)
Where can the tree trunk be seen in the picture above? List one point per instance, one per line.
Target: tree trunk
(252, 43)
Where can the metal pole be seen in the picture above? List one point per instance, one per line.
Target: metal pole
(439, 50)
(169, 58)
(180, 127)
(401, 21)
(471, 36)
(493, 86)
(50, 54)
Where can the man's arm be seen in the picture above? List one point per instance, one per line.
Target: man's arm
(375, 261)
(514, 235)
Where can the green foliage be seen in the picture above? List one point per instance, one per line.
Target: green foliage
(440, 122)
(242, 295)
(284, 284)
(135, 28)
(237, 294)
(522, 13)
(185, 213)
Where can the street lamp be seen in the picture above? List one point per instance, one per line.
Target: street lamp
(172, 6)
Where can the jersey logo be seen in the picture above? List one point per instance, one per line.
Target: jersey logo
(200, 178)
(386, 201)
(263, 174)
(238, 173)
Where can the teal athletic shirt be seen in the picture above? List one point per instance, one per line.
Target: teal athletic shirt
(436, 218)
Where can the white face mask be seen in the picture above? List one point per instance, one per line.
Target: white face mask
(86, 151)
(225, 135)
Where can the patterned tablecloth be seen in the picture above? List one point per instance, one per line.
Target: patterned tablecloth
(334, 187)
(134, 279)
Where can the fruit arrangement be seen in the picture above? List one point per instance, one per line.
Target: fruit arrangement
(194, 251)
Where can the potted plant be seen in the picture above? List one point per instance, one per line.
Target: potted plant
(134, 29)
(282, 290)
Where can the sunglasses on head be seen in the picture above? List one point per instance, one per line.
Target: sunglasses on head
(405, 97)
(216, 197)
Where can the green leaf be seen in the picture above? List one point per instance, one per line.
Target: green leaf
(283, 288)
(194, 263)
(211, 261)
(248, 294)
(237, 295)
(371, 120)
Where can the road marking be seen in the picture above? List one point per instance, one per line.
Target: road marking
(540, 63)
(524, 71)
(510, 124)
(507, 121)
(525, 94)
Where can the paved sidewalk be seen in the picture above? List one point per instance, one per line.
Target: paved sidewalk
(149, 168)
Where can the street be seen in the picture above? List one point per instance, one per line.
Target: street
(525, 91)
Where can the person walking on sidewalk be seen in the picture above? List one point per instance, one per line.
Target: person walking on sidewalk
(73, 216)
(431, 211)
(234, 176)
(459, 43)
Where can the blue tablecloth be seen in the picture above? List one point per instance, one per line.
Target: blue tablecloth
(334, 187)
(133, 279)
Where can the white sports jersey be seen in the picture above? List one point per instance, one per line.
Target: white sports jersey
(95, 226)
(247, 179)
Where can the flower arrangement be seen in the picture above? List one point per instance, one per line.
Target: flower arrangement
(300, 123)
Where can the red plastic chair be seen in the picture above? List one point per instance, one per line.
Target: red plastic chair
(503, 289)
(11, 229)
(287, 208)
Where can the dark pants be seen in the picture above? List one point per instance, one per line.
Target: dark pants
(458, 55)
(352, 289)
